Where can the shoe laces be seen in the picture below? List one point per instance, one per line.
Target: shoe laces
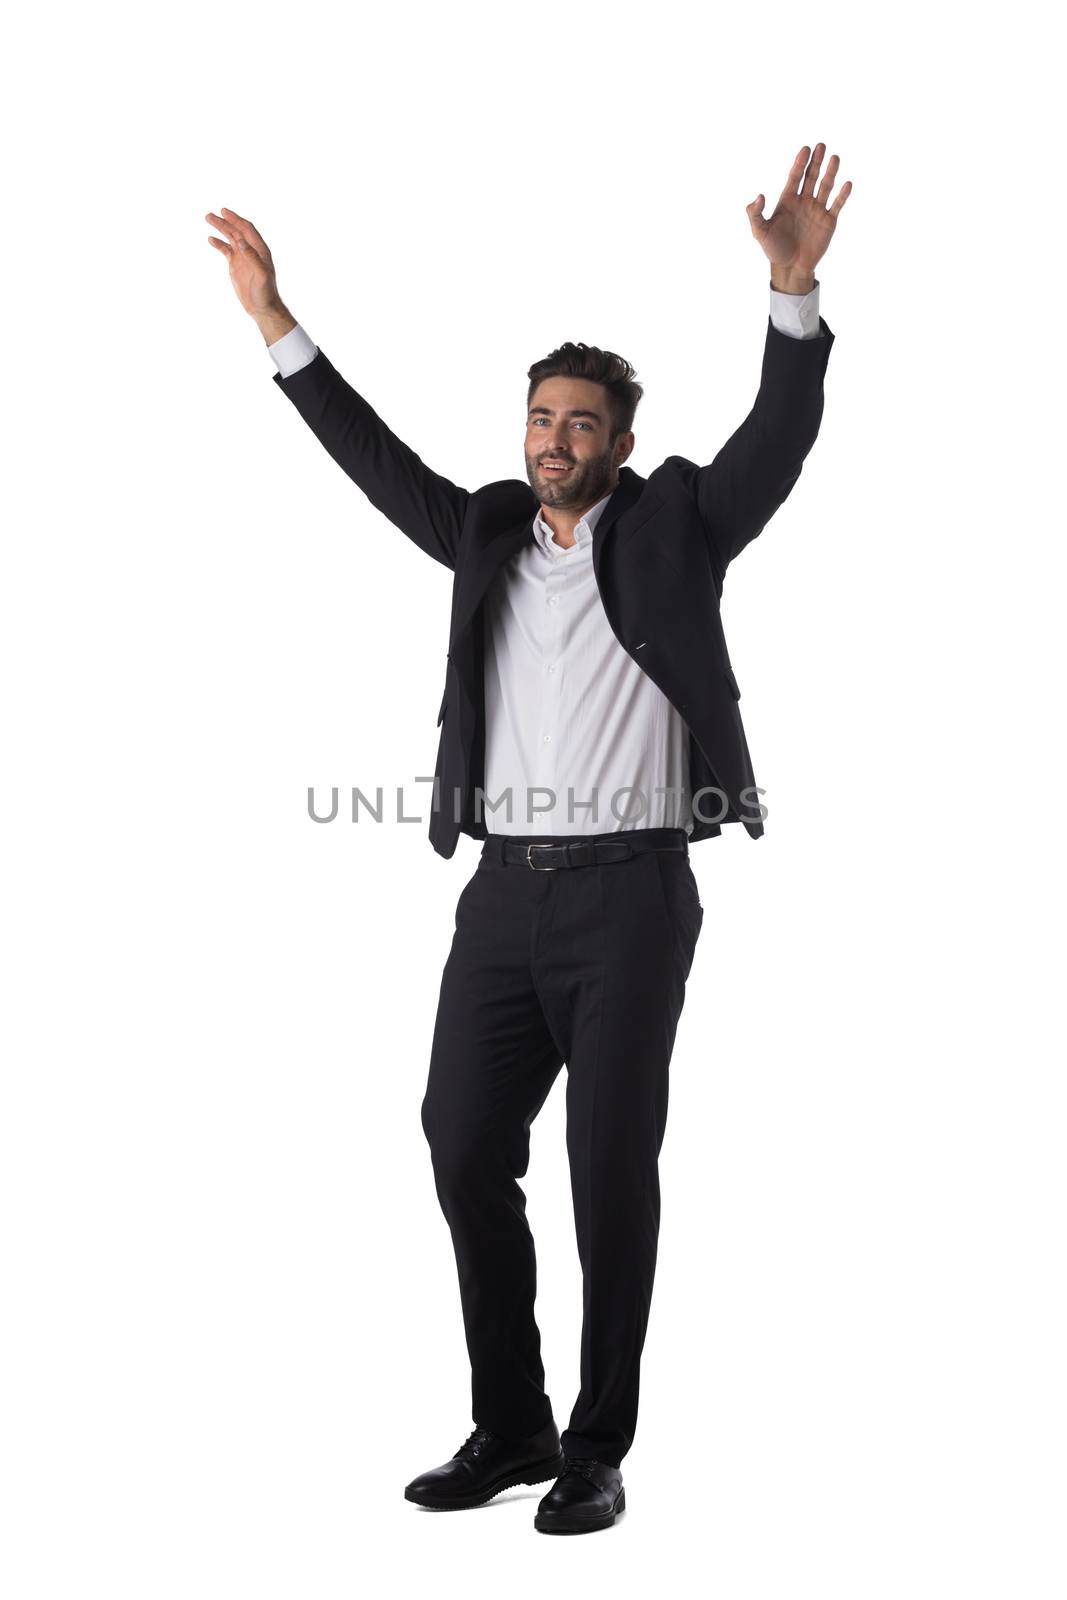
(581, 1464)
(470, 1447)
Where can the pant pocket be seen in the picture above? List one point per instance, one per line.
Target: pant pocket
(681, 901)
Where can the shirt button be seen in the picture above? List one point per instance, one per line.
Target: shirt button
(552, 668)
(546, 738)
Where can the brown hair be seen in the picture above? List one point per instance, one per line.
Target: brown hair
(597, 366)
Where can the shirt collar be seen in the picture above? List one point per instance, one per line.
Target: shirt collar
(583, 532)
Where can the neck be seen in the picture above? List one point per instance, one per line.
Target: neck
(564, 519)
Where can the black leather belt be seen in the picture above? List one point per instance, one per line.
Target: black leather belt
(596, 850)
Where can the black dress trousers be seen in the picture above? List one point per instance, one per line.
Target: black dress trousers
(585, 966)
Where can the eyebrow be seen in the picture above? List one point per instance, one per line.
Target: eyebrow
(546, 411)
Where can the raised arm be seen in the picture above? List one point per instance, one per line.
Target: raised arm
(760, 463)
(425, 506)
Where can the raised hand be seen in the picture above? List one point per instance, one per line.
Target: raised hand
(251, 266)
(795, 236)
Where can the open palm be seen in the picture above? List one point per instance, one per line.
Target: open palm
(251, 264)
(795, 236)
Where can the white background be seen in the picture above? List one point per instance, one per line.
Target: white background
(232, 1327)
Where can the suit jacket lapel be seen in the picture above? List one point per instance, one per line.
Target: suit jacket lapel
(627, 492)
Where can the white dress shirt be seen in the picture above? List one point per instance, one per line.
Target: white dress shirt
(574, 729)
(578, 739)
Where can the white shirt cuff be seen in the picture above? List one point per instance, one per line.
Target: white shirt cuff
(295, 350)
(794, 314)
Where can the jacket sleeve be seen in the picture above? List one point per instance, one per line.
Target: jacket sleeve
(427, 507)
(758, 465)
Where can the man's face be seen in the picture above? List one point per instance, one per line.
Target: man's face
(569, 422)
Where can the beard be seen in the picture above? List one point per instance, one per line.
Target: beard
(586, 483)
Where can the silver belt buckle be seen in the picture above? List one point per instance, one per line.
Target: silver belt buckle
(533, 864)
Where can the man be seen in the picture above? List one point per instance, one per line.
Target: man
(588, 687)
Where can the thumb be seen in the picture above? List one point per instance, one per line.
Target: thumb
(756, 219)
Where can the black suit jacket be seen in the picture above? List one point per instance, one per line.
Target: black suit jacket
(661, 547)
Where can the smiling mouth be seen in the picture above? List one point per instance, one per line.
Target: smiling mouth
(557, 470)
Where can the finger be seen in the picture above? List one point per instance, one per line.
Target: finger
(845, 191)
(251, 233)
(756, 219)
(233, 230)
(813, 169)
(828, 180)
(796, 171)
(222, 225)
(241, 246)
(220, 244)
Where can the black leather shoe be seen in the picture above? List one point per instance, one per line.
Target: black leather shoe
(484, 1465)
(586, 1496)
